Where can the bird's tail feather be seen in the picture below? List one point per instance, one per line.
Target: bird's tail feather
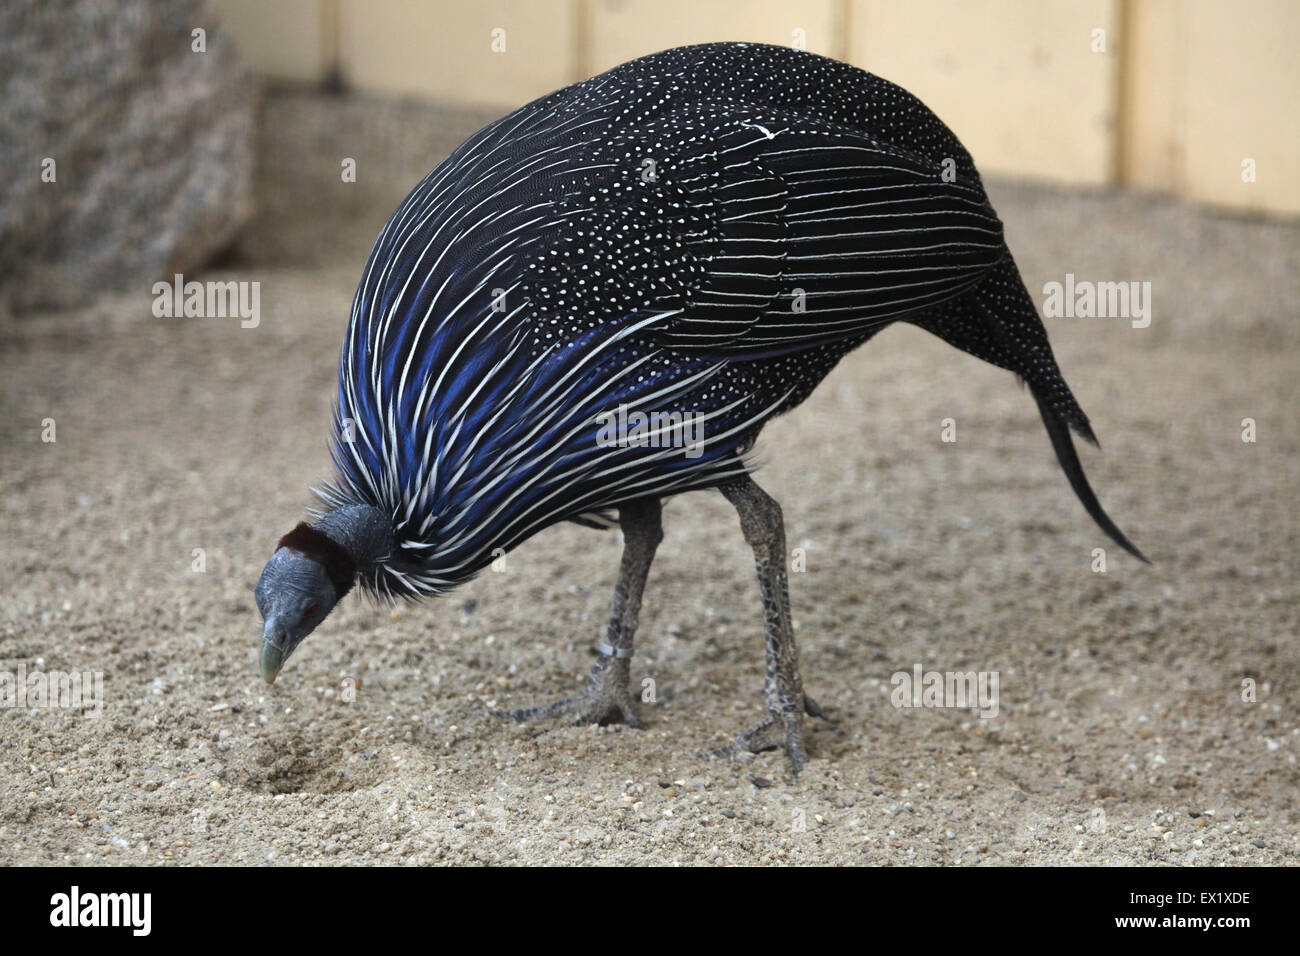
(998, 322)
(1063, 445)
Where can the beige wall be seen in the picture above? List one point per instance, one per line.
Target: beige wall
(285, 40)
(446, 50)
(1017, 80)
(1183, 92)
(622, 30)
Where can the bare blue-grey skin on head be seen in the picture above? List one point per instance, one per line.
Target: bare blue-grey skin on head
(702, 233)
(310, 571)
(294, 595)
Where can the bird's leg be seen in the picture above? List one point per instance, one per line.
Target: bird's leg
(605, 697)
(764, 530)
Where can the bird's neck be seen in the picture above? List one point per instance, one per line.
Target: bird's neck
(365, 532)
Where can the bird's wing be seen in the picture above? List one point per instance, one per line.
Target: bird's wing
(801, 233)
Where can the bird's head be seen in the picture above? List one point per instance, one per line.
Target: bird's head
(308, 574)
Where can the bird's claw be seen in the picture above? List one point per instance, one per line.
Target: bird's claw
(782, 727)
(585, 710)
(603, 701)
(814, 709)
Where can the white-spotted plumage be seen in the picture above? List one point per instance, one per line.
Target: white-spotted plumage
(705, 231)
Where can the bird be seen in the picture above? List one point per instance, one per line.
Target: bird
(597, 302)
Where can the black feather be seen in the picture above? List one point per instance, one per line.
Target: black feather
(1063, 445)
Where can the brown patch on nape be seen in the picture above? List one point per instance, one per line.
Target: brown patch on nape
(340, 567)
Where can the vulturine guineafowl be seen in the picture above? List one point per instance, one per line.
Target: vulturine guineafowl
(695, 237)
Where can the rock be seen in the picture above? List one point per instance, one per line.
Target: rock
(151, 144)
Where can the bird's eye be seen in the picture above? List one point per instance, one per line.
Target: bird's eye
(311, 611)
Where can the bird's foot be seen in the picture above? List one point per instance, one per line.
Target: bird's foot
(782, 727)
(605, 699)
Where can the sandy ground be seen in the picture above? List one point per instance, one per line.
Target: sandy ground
(1122, 735)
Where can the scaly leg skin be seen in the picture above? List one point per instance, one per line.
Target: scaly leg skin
(605, 698)
(764, 530)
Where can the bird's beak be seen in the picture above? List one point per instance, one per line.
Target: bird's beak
(275, 649)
